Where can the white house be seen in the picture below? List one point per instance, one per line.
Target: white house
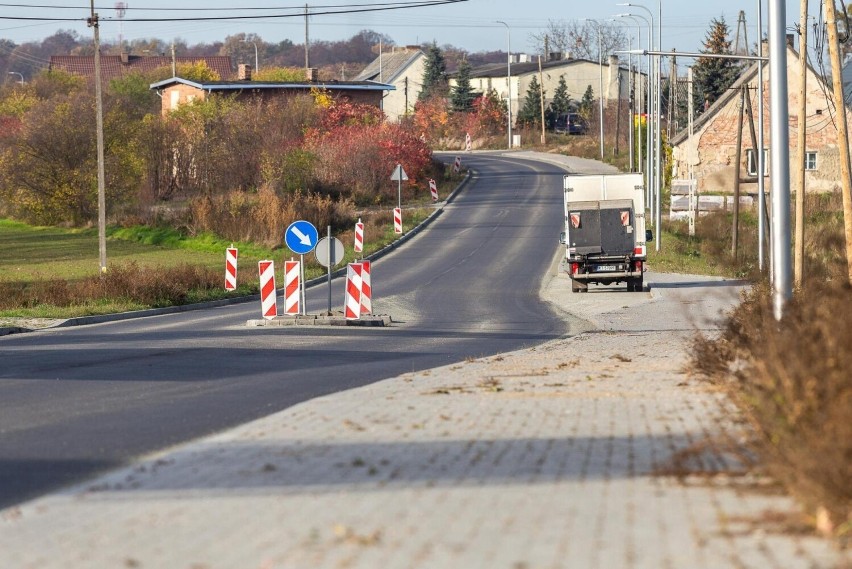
(403, 68)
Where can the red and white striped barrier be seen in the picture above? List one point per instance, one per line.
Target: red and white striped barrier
(268, 296)
(468, 144)
(457, 165)
(366, 288)
(397, 220)
(231, 268)
(352, 300)
(433, 187)
(359, 237)
(292, 287)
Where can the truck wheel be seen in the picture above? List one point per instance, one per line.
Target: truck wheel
(635, 285)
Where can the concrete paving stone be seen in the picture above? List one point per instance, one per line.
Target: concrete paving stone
(559, 456)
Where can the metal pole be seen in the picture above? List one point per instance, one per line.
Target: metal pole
(302, 283)
(659, 178)
(399, 186)
(631, 90)
(508, 80)
(21, 75)
(600, 85)
(761, 186)
(330, 263)
(99, 116)
(801, 142)
(780, 161)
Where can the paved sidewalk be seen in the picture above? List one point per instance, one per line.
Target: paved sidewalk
(595, 451)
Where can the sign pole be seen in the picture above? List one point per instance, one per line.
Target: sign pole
(330, 263)
(399, 187)
(302, 282)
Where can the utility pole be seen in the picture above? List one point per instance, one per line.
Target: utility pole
(541, 93)
(735, 230)
(99, 120)
(307, 42)
(799, 257)
(842, 132)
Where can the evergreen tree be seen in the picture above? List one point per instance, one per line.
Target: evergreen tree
(587, 103)
(434, 74)
(561, 103)
(530, 114)
(462, 95)
(713, 76)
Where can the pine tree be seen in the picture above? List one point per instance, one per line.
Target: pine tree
(713, 76)
(462, 95)
(561, 103)
(587, 103)
(434, 74)
(530, 114)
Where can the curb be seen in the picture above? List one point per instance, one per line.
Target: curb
(99, 319)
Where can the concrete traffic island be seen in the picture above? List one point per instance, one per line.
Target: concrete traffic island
(333, 319)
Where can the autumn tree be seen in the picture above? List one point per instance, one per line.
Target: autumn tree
(434, 74)
(713, 76)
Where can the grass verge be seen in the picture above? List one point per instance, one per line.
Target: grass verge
(53, 272)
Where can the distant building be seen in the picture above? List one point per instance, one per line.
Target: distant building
(113, 66)
(403, 68)
(579, 75)
(710, 153)
(177, 91)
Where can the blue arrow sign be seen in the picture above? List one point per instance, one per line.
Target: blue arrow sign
(301, 237)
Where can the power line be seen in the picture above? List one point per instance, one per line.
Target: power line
(351, 9)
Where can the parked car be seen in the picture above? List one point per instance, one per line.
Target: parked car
(571, 123)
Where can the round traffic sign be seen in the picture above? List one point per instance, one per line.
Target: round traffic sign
(322, 252)
(301, 237)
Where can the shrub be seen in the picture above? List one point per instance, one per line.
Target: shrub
(791, 379)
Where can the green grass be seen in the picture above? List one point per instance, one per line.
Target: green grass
(35, 256)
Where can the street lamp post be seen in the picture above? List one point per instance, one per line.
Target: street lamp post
(600, 84)
(21, 80)
(654, 172)
(649, 167)
(508, 81)
(636, 18)
(256, 61)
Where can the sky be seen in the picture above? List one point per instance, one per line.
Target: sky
(470, 25)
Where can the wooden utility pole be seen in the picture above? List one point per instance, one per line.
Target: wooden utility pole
(754, 144)
(735, 230)
(842, 132)
(799, 250)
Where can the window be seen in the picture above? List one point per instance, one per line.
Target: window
(751, 162)
(810, 160)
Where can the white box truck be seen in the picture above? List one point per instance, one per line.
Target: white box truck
(605, 237)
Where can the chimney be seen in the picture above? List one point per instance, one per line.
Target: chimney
(243, 72)
(125, 58)
(312, 74)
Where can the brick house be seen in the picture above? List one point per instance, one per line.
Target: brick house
(177, 90)
(402, 68)
(712, 150)
(113, 66)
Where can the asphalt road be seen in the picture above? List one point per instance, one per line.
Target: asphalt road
(77, 401)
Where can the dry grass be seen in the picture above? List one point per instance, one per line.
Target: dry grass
(792, 381)
(122, 283)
